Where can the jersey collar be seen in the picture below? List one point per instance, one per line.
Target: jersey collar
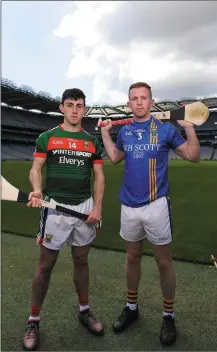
(143, 124)
(61, 127)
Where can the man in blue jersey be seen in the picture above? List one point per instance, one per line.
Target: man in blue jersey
(145, 205)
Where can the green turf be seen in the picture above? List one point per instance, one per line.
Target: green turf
(193, 195)
(195, 307)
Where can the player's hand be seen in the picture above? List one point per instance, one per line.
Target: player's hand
(107, 125)
(185, 124)
(94, 217)
(35, 199)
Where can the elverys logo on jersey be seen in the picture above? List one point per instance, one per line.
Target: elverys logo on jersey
(66, 147)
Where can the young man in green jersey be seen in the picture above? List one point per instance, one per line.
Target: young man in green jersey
(70, 154)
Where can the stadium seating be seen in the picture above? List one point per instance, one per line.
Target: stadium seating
(17, 152)
(21, 126)
(215, 155)
(26, 119)
(20, 130)
(206, 152)
(104, 155)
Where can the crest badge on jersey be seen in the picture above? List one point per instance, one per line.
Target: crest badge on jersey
(154, 132)
(86, 145)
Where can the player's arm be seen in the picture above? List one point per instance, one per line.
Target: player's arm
(99, 186)
(115, 155)
(35, 174)
(190, 150)
(35, 178)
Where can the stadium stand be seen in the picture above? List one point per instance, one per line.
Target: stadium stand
(25, 114)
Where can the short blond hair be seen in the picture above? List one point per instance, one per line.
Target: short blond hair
(141, 85)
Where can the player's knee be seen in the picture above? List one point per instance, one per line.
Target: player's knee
(46, 267)
(133, 256)
(164, 263)
(80, 260)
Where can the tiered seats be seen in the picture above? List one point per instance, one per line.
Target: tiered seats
(20, 129)
(104, 155)
(215, 155)
(205, 152)
(14, 152)
(25, 119)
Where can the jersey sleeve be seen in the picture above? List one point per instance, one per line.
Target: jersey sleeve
(118, 143)
(41, 147)
(175, 138)
(97, 156)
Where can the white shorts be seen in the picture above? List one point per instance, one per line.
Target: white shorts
(152, 221)
(57, 229)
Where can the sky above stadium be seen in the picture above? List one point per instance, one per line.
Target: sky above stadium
(102, 47)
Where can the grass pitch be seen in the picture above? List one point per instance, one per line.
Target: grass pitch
(193, 196)
(195, 306)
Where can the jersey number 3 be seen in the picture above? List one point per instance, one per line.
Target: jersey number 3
(139, 135)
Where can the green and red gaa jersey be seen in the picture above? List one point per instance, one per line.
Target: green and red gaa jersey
(69, 160)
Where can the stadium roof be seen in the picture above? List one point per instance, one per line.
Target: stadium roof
(28, 99)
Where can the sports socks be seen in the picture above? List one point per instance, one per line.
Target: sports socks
(132, 296)
(35, 314)
(168, 307)
(83, 302)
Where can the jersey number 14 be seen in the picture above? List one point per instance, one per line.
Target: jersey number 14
(72, 145)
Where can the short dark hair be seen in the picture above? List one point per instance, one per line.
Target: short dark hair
(73, 93)
(140, 85)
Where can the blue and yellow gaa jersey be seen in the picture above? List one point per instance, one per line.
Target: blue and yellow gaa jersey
(146, 146)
